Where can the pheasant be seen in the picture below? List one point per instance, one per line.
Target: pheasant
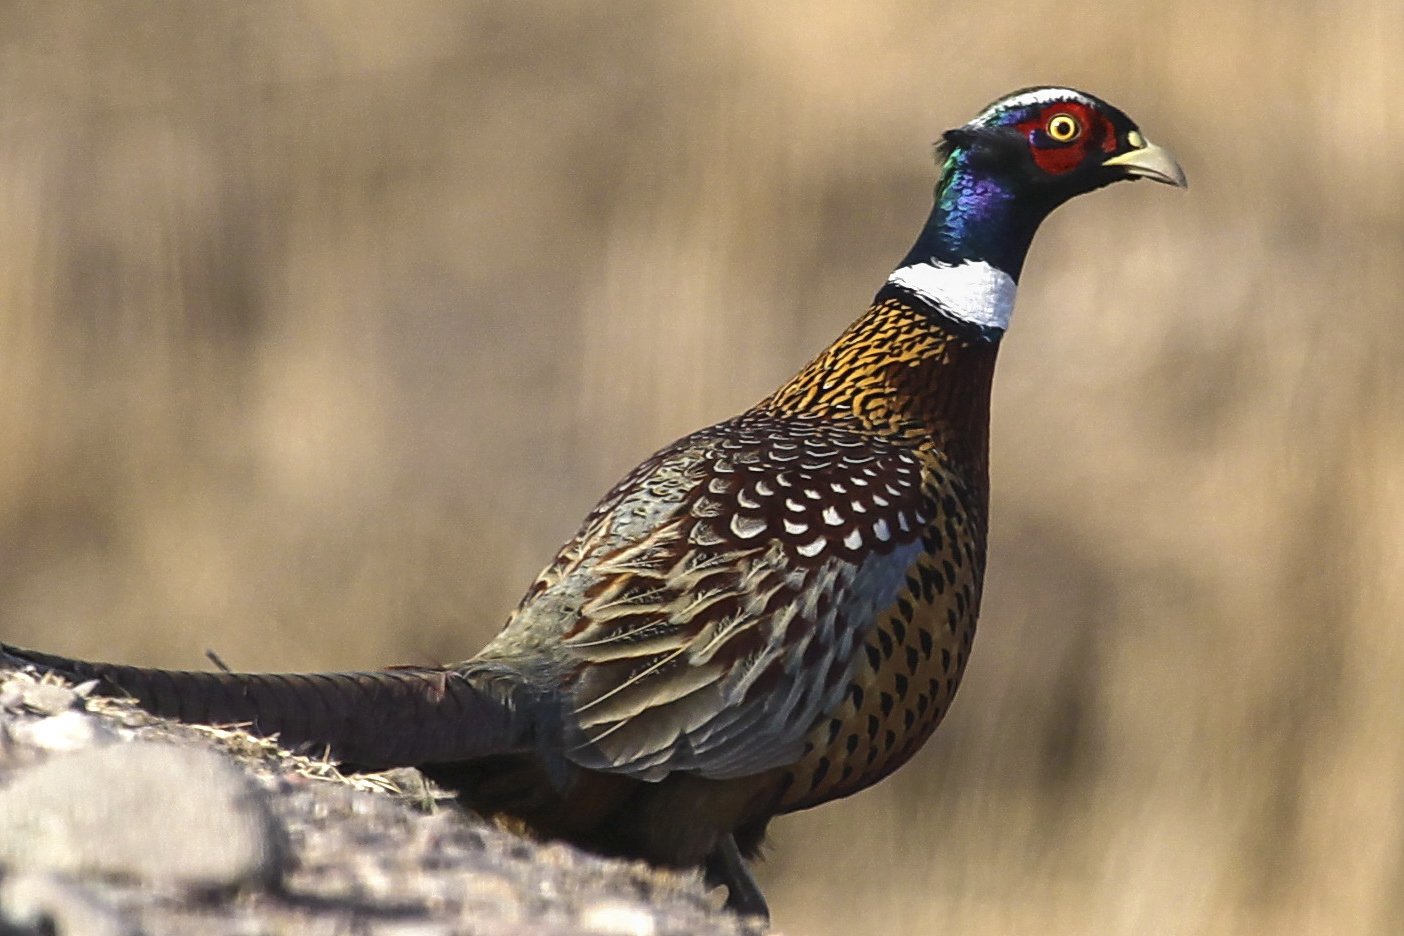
(766, 615)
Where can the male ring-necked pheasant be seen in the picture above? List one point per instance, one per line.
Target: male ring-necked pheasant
(766, 615)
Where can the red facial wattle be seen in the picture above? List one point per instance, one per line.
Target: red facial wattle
(1057, 158)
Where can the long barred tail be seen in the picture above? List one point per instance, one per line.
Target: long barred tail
(369, 720)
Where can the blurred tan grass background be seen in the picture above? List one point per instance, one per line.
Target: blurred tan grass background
(322, 324)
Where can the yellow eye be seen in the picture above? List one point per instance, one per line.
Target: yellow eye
(1063, 128)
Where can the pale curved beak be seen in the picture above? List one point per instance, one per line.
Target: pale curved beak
(1148, 161)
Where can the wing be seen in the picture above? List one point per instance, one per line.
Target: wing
(712, 607)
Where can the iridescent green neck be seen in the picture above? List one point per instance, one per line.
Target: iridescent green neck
(977, 217)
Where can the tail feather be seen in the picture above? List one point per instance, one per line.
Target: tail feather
(369, 720)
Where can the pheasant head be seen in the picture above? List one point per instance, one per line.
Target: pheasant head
(1001, 175)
